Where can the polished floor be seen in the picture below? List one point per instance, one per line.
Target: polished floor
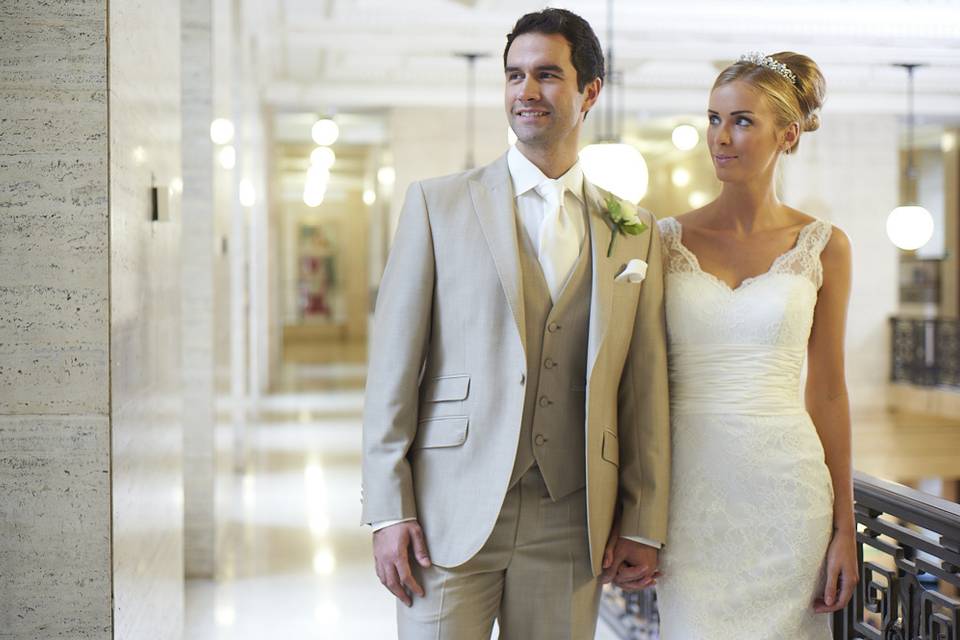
(293, 561)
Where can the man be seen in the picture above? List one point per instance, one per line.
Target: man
(513, 383)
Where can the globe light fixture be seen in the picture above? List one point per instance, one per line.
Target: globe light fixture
(697, 199)
(325, 132)
(910, 226)
(227, 157)
(248, 196)
(685, 137)
(617, 167)
(323, 157)
(313, 195)
(221, 131)
(386, 176)
(369, 197)
(680, 177)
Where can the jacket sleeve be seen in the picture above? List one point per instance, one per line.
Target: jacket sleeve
(398, 347)
(644, 410)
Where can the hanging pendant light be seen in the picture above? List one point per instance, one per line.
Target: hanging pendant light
(910, 226)
(471, 59)
(610, 163)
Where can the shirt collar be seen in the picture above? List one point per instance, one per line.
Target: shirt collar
(526, 176)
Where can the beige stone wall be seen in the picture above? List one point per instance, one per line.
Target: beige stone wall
(54, 322)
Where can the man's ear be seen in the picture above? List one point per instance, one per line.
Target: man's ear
(590, 94)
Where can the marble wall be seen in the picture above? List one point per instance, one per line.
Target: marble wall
(197, 274)
(145, 284)
(54, 322)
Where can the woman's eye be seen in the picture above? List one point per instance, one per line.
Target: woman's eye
(744, 122)
(713, 120)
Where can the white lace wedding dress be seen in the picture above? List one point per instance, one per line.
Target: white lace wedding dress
(751, 497)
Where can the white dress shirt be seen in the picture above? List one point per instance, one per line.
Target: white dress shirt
(531, 209)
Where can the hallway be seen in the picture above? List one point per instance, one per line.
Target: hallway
(293, 561)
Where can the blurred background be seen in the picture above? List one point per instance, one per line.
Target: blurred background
(198, 198)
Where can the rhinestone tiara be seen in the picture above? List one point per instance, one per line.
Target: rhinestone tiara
(763, 60)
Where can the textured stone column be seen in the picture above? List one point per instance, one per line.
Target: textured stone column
(197, 271)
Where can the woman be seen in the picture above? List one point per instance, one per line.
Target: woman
(761, 541)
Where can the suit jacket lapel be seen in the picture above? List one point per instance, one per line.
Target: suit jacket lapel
(601, 300)
(492, 193)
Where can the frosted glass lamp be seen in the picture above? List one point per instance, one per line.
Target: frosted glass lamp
(909, 227)
(619, 168)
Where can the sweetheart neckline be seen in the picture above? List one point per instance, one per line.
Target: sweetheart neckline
(749, 279)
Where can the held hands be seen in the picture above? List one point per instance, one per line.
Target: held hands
(630, 565)
(842, 566)
(391, 554)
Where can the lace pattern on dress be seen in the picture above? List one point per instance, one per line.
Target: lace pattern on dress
(803, 259)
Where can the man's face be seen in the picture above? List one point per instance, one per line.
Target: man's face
(544, 106)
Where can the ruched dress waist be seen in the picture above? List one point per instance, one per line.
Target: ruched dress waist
(735, 380)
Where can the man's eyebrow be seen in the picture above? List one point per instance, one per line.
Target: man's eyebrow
(544, 67)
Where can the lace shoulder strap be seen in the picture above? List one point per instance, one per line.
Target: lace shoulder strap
(804, 259)
(674, 257)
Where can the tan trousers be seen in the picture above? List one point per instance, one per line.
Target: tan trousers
(533, 576)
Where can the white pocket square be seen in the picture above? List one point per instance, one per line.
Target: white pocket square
(634, 272)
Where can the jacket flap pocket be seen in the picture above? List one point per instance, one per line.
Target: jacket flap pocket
(611, 448)
(447, 388)
(441, 432)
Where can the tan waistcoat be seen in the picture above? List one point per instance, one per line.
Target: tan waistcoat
(552, 431)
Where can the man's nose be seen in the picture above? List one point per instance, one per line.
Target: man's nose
(530, 90)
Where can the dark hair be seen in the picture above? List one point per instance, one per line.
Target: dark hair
(585, 51)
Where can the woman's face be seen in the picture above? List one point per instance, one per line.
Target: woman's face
(743, 136)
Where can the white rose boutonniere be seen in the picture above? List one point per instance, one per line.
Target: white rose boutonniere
(622, 217)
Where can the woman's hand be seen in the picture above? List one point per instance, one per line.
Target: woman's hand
(841, 568)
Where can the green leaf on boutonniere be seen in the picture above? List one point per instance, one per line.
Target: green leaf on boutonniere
(622, 217)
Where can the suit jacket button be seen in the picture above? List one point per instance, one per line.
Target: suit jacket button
(545, 401)
(553, 327)
(539, 440)
(549, 363)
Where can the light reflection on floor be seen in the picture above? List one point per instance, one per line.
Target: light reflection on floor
(294, 562)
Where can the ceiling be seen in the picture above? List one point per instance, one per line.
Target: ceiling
(350, 55)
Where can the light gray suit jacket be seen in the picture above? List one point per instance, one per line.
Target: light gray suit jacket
(445, 387)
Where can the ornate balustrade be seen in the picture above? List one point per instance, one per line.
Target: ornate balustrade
(925, 351)
(908, 546)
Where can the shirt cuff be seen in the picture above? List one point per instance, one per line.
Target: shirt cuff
(646, 541)
(383, 524)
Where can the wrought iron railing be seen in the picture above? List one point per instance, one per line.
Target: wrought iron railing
(925, 351)
(908, 546)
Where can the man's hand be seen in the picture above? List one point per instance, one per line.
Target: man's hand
(391, 554)
(630, 565)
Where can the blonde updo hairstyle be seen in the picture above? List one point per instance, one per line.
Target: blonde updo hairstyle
(791, 102)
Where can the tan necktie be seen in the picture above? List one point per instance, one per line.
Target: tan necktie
(558, 246)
